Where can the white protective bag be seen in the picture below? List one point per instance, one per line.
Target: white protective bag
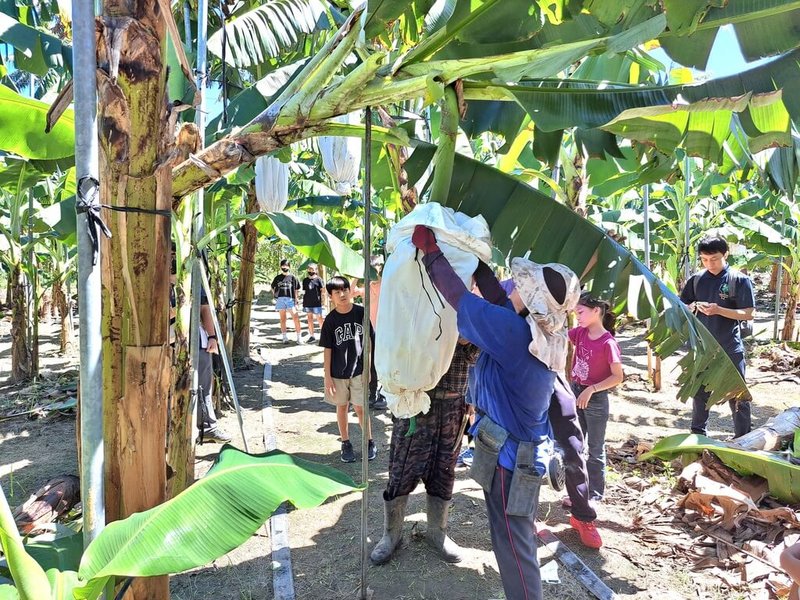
(272, 184)
(416, 333)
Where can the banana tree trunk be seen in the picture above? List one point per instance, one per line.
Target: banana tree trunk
(244, 284)
(60, 304)
(45, 308)
(773, 281)
(21, 367)
(134, 162)
(180, 450)
(180, 447)
(791, 309)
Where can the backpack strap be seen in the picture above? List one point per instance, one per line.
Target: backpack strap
(733, 277)
(696, 280)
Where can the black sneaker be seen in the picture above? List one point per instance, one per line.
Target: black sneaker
(348, 455)
(372, 451)
(215, 435)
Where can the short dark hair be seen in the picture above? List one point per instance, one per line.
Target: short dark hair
(608, 317)
(285, 262)
(712, 245)
(337, 283)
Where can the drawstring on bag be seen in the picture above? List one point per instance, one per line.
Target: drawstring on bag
(430, 300)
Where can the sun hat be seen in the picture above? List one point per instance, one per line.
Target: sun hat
(549, 292)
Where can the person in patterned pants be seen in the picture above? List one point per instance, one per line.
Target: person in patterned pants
(429, 455)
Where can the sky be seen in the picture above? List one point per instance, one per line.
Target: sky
(725, 59)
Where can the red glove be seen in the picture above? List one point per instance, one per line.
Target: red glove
(424, 239)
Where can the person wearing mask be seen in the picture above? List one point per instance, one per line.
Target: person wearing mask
(523, 343)
(284, 288)
(313, 296)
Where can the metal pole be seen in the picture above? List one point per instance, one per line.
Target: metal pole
(229, 276)
(687, 265)
(31, 290)
(223, 352)
(367, 346)
(89, 297)
(198, 228)
(779, 284)
(647, 226)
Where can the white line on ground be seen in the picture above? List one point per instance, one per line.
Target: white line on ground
(282, 580)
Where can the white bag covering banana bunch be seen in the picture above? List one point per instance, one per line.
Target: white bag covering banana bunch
(341, 156)
(272, 184)
(416, 333)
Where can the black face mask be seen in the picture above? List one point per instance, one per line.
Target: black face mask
(285, 269)
(311, 273)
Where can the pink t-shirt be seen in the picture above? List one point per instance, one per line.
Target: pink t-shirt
(592, 359)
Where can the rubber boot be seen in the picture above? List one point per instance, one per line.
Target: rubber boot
(394, 511)
(436, 536)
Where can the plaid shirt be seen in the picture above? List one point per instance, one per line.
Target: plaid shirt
(456, 378)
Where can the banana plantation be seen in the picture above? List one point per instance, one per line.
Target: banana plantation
(162, 158)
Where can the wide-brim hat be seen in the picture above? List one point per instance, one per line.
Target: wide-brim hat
(548, 315)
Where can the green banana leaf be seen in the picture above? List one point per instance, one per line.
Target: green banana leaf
(268, 30)
(22, 124)
(30, 579)
(8, 592)
(762, 237)
(763, 28)
(63, 584)
(311, 240)
(556, 104)
(523, 219)
(212, 517)
(63, 553)
(36, 50)
(783, 477)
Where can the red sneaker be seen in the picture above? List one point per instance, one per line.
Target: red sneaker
(588, 532)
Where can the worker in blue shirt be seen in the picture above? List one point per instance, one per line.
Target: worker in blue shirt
(523, 343)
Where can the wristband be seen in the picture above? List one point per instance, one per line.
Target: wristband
(212, 337)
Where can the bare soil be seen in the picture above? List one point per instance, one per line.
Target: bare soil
(325, 541)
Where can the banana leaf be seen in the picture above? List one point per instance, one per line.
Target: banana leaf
(30, 579)
(36, 51)
(522, 219)
(8, 592)
(267, 30)
(783, 476)
(212, 517)
(310, 239)
(22, 124)
(556, 104)
(763, 28)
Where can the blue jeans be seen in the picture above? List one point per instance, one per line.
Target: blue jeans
(594, 419)
(740, 410)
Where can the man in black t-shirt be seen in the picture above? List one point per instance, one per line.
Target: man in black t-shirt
(313, 293)
(284, 288)
(342, 336)
(720, 299)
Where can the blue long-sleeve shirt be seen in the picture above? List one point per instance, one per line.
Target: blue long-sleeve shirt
(511, 386)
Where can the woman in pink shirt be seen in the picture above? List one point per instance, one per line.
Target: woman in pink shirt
(596, 368)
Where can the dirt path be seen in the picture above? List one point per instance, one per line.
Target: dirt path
(325, 540)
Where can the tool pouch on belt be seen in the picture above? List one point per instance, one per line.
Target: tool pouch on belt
(523, 496)
(489, 439)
